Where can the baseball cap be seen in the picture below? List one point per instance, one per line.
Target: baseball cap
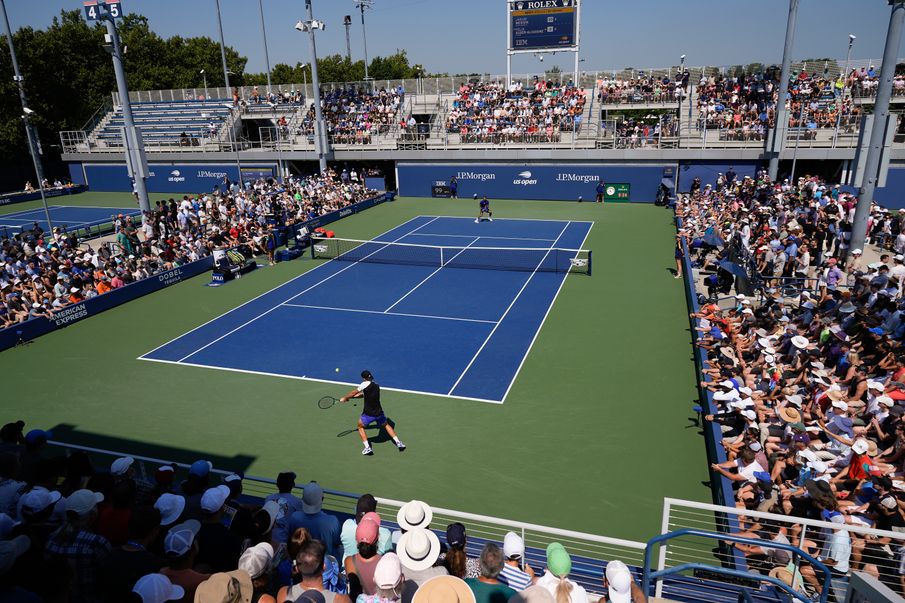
(81, 502)
(558, 560)
(201, 468)
(801, 438)
(213, 498)
(256, 559)
(619, 579)
(311, 595)
(165, 474)
(121, 465)
(233, 477)
(860, 446)
(170, 507)
(157, 588)
(513, 546)
(368, 528)
(272, 509)
(455, 535)
(388, 571)
(179, 539)
(37, 435)
(228, 587)
(37, 500)
(312, 498)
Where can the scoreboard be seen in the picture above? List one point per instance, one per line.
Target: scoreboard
(543, 24)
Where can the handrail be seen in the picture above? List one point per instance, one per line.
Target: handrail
(655, 575)
(631, 544)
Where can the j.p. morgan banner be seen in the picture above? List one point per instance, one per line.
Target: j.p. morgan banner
(563, 182)
(171, 178)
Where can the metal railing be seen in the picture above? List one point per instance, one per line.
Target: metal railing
(590, 552)
(795, 553)
(882, 548)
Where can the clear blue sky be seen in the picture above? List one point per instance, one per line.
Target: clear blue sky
(470, 35)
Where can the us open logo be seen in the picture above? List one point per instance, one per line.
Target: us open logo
(525, 179)
(176, 176)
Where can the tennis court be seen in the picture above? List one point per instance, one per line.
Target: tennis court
(71, 217)
(438, 305)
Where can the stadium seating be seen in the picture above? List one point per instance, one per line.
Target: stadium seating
(177, 123)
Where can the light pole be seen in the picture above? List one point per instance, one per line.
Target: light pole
(136, 162)
(322, 144)
(802, 123)
(848, 56)
(362, 5)
(266, 54)
(878, 131)
(681, 91)
(223, 50)
(232, 140)
(30, 133)
(347, 21)
(204, 75)
(776, 140)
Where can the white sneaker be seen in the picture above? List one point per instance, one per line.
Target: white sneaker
(491, 219)
(367, 451)
(400, 445)
(476, 221)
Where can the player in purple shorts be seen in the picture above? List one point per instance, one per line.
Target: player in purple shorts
(372, 411)
(485, 209)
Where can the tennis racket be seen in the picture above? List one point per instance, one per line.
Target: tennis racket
(326, 402)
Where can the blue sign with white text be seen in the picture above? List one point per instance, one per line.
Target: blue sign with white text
(539, 24)
(172, 178)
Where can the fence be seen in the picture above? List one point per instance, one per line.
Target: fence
(880, 548)
(589, 551)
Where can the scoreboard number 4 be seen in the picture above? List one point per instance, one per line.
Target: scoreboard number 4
(93, 9)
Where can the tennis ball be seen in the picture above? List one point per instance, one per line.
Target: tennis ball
(337, 370)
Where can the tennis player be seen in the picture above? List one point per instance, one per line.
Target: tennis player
(485, 209)
(372, 411)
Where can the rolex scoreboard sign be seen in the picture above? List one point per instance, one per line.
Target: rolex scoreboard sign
(543, 24)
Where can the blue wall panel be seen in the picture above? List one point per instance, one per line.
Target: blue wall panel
(709, 171)
(892, 196)
(76, 174)
(557, 182)
(169, 178)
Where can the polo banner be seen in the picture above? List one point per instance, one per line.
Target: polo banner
(553, 182)
(172, 178)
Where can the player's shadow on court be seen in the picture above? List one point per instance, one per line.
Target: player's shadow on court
(376, 435)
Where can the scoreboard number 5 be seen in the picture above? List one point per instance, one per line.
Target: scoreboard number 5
(93, 9)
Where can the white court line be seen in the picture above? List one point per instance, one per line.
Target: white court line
(503, 317)
(428, 277)
(433, 234)
(520, 219)
(142, 357)
(317, 284)
(541, 326)
(306, 378)
(490, 322)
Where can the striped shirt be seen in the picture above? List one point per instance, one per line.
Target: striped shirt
(514, 577)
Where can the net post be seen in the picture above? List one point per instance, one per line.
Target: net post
(312, 248)
(590, 253)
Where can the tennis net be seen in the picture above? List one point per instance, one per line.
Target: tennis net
(528, 259)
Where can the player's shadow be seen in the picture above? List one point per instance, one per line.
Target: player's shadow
(381, 435)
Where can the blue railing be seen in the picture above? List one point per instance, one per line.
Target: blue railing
(720, 486)
(651, 576)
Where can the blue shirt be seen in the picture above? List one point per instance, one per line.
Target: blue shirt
(514, 577)
(485, 203)
(322, 527)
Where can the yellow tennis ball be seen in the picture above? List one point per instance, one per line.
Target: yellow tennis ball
(337, 370)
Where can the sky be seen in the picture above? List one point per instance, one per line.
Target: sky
(461, 36)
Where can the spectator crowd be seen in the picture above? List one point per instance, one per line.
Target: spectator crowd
(42, 273)
(806, 369)
(538, 112)
(355, 115)
(72, 531)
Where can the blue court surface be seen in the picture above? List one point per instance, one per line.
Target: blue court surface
(436, 329)
(72, 218)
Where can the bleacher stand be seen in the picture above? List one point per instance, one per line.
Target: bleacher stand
(539, 112)
(168, 123)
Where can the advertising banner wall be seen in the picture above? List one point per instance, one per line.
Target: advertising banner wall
(555, 182)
